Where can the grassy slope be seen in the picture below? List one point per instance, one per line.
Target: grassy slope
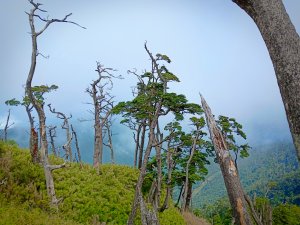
(88, 195)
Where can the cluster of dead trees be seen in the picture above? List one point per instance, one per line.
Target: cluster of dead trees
(152, 101)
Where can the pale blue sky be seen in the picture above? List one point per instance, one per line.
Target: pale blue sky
(215, 48)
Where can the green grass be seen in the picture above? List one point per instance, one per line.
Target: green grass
(88, 195)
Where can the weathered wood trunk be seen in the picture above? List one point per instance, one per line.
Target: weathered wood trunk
(98, 146)
(231, 178)
(283, 44)
(76, 145)
(52, 134)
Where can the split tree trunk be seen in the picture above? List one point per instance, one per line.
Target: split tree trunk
(231, 178)
(283, 44)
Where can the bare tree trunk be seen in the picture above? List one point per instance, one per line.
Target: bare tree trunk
(66, 126)
(7, 125)
(231, 178)
(141, 176)
(103, 103)
(108, 125)
(141, 147)
(52, 134)
(169, 178)
(76, 144)
(253, 211)
(158, 139)
(185, 204)
(34, 146)
(33, 136)
(148, 217)
(188, 197)
(98, 146)
(137, 144)
(283, 44)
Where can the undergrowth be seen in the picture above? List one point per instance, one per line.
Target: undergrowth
(88, 196)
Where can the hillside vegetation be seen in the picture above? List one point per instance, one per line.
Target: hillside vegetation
(271, 170)
(87, 196)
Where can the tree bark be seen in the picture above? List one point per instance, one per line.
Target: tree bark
(137, 144)
(170, 166)
(231, 178)
(283, 44)
(141, 146)
(187, 183)
(65, 126)
(52, 134)
(33, 136)
(76, 144)
(142, 172)
(7, 125)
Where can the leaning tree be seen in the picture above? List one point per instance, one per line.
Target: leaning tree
(39, 106)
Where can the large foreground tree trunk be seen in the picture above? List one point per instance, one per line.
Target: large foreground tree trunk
(283, 44)
(231, 178)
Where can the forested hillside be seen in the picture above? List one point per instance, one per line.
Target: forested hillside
(270, 170)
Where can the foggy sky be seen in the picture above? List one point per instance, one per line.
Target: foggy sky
(215, 48)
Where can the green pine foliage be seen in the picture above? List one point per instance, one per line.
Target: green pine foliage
(88, 195)
(286, 214)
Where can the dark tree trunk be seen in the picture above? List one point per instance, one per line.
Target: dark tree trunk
(188, 197)
(141, 147)
(34, 146)
(137, 144)
(187, 183)
(283, 44)
(52, 134)
(6, 126)
(170, 166)
(76, 144)
(141, 178)
(231, 178)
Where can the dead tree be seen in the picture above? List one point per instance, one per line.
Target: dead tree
(76, 144)
(99, 90)
(231, 178)
(65, 126)
(7, 125)
(38, 105)
(52, 135)
(283, 43)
